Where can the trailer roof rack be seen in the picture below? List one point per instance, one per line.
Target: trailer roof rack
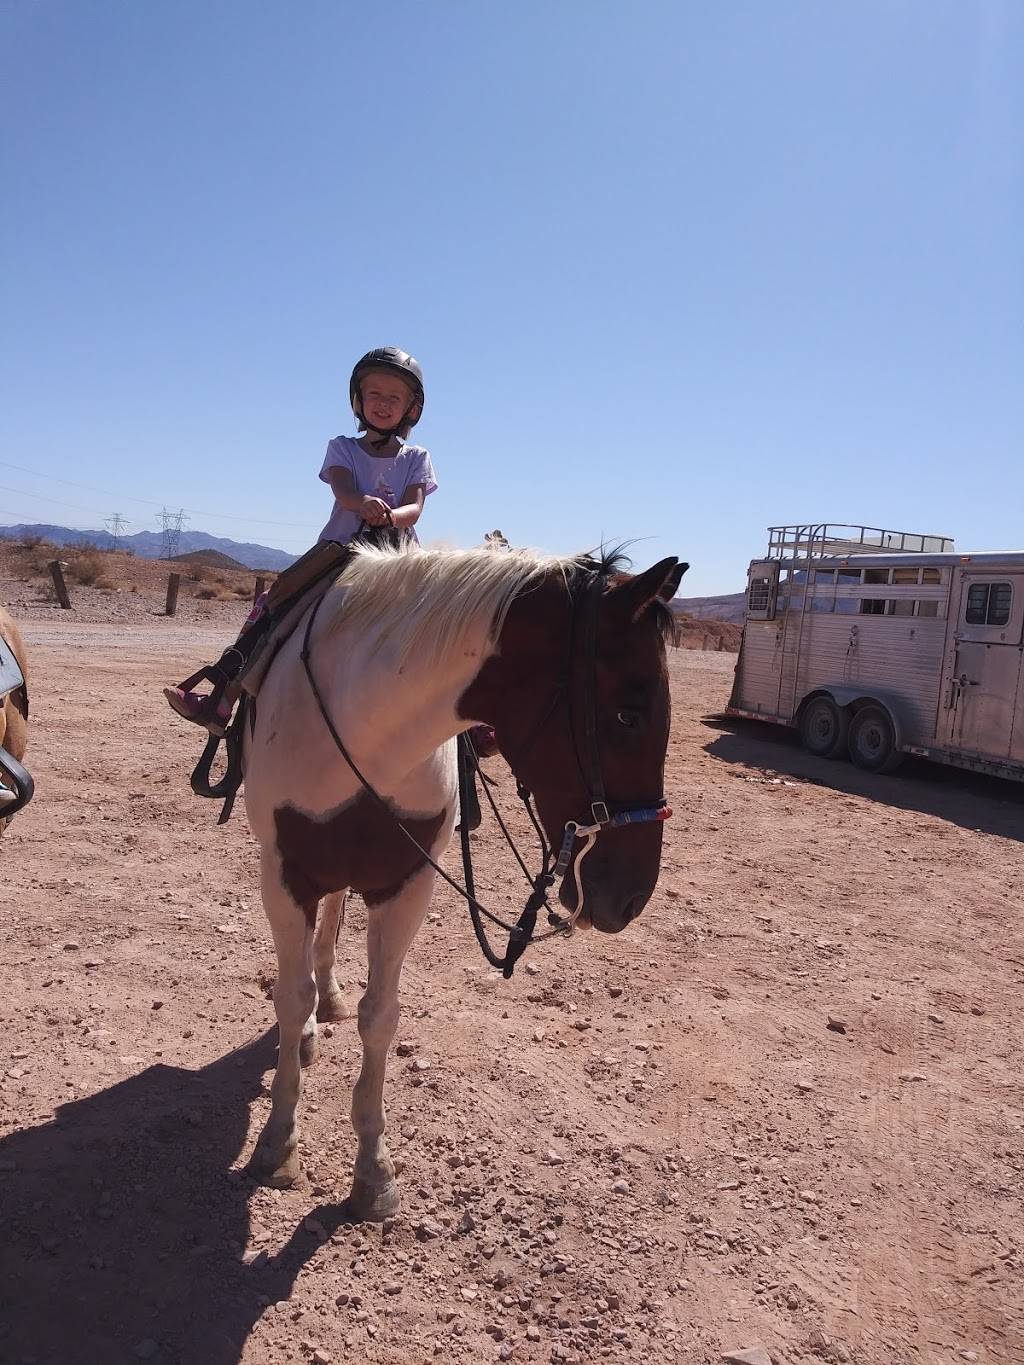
(816, 540)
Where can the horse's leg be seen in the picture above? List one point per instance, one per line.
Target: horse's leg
(331, 1004)
(391, 929)
(275, 1160)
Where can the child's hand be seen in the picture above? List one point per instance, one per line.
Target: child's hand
(374, 511)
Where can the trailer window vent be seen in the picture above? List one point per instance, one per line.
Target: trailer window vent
(759, 596)
(988, 604)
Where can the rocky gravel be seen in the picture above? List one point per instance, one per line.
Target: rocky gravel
(779, 1119)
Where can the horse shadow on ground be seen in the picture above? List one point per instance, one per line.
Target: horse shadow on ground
(992, 805)
(124, 1226)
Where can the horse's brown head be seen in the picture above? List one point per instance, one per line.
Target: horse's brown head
(578, 697)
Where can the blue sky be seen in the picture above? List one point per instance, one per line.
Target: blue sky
(675, 271)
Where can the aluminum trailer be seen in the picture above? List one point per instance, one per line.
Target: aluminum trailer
(876, 644)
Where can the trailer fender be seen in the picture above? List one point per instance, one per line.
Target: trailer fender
(855, 697)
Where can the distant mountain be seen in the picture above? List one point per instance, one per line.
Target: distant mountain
(730, 607)
(150, 544)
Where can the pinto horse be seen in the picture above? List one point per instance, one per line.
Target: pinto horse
(564, 658)
(15, 783)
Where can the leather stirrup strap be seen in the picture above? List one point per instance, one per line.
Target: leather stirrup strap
(227, 788)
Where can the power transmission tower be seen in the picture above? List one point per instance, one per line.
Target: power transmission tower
(116, 525)
(172, 522)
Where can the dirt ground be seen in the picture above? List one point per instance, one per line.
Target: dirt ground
(784, 1108)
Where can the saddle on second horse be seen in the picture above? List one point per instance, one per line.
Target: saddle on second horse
(16, 786)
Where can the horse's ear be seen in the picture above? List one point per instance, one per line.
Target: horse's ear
(670, 586)
(661, 581)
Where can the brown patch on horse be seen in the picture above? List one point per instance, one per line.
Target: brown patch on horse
(360, 847)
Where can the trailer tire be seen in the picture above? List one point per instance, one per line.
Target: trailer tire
(824, 727)
(872, 740)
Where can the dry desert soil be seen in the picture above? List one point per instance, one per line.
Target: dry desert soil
(782, 1113)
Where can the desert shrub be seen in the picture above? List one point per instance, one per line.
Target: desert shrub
(87, 567)
(33, 555)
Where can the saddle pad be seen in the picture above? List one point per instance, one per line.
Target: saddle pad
(10, 670)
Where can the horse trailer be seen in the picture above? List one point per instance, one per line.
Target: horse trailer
(876, 644)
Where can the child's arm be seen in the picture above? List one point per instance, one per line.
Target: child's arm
(409, 512)
(372, 510)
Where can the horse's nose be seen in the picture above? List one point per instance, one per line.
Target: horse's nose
(633, 907)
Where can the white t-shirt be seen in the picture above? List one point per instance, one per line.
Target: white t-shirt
(388, 479)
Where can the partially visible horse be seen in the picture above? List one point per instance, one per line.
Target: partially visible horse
(565, 658)
(15, 784)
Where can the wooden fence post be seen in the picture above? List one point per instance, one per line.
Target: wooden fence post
(261, 584)
(173, 583)
(59, 586)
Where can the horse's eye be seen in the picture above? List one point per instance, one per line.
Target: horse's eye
(630, 719)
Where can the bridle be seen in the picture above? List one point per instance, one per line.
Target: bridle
(584, 608)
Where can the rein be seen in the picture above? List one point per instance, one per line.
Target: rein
(521, 934)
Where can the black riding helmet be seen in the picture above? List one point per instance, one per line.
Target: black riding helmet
(391, 359)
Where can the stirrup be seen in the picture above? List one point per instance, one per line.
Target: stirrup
(227, 788)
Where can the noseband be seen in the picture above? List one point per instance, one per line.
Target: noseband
(583, 616)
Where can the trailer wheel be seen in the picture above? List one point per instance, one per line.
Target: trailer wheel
(823, 727)
(872, 741)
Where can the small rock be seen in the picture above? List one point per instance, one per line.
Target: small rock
(805, 1087)
(532, 969)
(809, 1197)
(157, 1005)
(533, 1332)
(620, 1187)
(420, 1064)
(912, 1076)
(968, 1355)
(936, 1019)
(467, 1223)
(393, 1287)
(467, 1293)
(747, 1355)
(538, 1035)
(835, 1024)
(977, 1011)
(405, 1048)
(146, 1348)
(615, 992)
(72, 946)
(552, 1158)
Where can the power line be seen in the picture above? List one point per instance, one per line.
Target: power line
(172, 523)
(41, 497)
(150, 502)
(116, 525)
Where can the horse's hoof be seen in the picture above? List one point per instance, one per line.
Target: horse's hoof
(372, 1203)
(307, 1049)
(279, 1175)
(334, 1009)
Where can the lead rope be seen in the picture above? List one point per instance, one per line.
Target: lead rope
(519, 935)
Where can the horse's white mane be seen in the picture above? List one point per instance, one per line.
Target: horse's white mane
(430, 602)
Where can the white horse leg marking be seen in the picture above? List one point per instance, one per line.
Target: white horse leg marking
(331, 1004)
(391, 929)
(275, 1160)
